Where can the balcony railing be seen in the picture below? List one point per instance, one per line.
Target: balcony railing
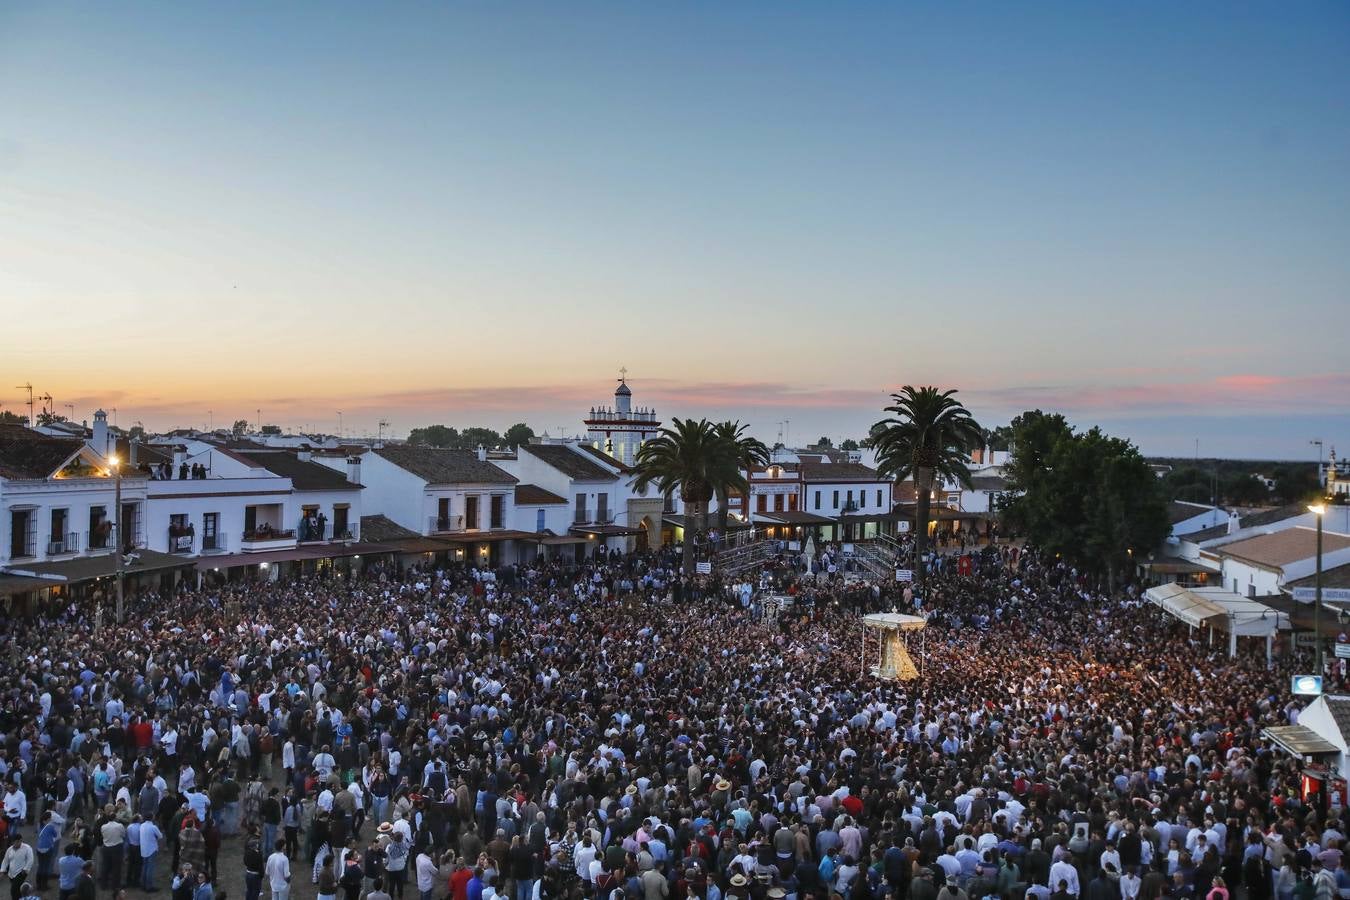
(445, 523)
(345, 532)
(70, 543)
(849, 507)
(214, 543)
(181, 538)
(268, 534)
(311, 531)
(99, 539)
(581, 517)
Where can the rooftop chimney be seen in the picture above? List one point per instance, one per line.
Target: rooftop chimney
(99, 441)
(354, 469)
(304, 454)
(482, 453)
(1234, 522)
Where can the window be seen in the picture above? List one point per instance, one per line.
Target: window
(777, 502)
(59, 540)
(792, 501)
(340, 521)
(761, 503)
(99, 528)
(817, 499)
(849, 501)
(211, 532)
(471, 511)
(834, 504)
(539, 520)
(581, 509)
(602, 508)
(878, 498)
(497, 511)
(180, 533)
(21, 537)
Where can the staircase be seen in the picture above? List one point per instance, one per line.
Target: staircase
(879, 557)
(746, 556)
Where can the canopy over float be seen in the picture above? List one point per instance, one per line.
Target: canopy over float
(893, 660)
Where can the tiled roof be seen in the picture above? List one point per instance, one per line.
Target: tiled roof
(605, 458)
(28, 454)
(1340, 712)
(989, 483)
(382, 528)
(838, 472)
(571, 463)
(1338, 577)
(436, 466)
(1283, 547)
(1251, 520)
(534, 495)
(1179, 511)
(304, 475)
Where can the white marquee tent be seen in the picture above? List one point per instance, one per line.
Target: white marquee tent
(1220, 610)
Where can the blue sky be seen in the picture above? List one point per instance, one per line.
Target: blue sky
(1135, 213)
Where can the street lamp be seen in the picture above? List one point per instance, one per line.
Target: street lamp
(116, 465)
(1319, 510)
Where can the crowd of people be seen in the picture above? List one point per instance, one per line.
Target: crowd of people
(614, 730)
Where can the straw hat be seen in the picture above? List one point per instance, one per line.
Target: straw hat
(722, 785)
(738, 880)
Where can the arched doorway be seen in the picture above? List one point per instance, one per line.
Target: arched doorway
(645, 528)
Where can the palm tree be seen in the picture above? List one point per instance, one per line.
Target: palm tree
(748, 453)
(930, 434)
(690, 459)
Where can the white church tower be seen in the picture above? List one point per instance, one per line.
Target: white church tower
(620, 430)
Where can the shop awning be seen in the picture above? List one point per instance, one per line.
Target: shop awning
(294, 554)
(87, 568)
(562, 540)
(681, 521)
(1299, 740)
(22, 584)
(605, 530)
(792, 517)
(488, 537)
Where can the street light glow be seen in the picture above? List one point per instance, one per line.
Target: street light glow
(1317, 508)
(112, 460)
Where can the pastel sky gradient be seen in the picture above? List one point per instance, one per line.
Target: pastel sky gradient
(475, 213)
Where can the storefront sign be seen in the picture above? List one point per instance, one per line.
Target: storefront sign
(1306, 685)
(1329, 595)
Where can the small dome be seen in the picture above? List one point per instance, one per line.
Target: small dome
(623, 390)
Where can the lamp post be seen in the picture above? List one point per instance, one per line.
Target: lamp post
(1319, 510)
(117, 529)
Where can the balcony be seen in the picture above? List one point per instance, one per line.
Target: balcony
(348, 532)
(850, 508)
(99, 538)
(181, 538)
(581, 517)
(214, 543)
(266, 538)
(443, 524)
(70, 543)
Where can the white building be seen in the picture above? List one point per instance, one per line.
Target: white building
(58, 510)
(1261, 566)
(619, 430)
(457, 496)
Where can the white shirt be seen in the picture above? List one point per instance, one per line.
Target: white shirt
(278, 871)
(1063, 871)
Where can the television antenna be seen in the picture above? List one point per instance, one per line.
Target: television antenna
(384, 423)
(28, 386)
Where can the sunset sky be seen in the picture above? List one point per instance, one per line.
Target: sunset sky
(1138, 214)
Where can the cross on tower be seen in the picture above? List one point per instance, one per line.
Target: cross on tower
(623, 374)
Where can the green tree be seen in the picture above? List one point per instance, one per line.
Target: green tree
(690, 459)
(1296, 483)
(929, 435)
(823, 444)
(849, 444)
(1246, 490)
(1090, 498)
(748, 453)
(47, 417)
(1000, 438)
(518, 434)
(270, 429)
(475, 436)
(10, 418)
(136, 432)
(434, 436)
(239, 428)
